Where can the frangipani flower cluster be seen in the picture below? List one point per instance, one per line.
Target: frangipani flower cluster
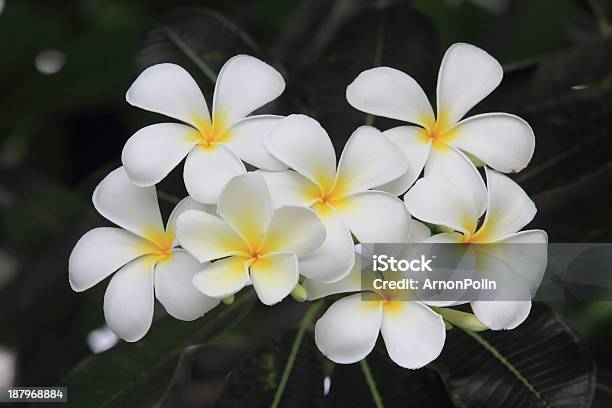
(291, 224)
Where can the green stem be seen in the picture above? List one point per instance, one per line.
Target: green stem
(371, 384)
(304, 324)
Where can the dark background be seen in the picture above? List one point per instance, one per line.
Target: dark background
(60, 133)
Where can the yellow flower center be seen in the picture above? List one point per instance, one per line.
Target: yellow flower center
(208, 132)
(159, 245)
(439, 131)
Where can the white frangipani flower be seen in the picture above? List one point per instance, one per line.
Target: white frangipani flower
(347, 332)
(145, 255)
(249, 241)
(341, 197)
(437, 200)
(467, 74)
(214, 146)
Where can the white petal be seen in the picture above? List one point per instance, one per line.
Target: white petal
(222, 278)
(294, 230)
(350, 283)
(152, 152)
(411, 142)
(387, 92)
(127, 205)
(302, 144)
(185, 204)
(436, 200)
(274, 276)
(369, 159)
(414, 334)
(509, 208)
(348, 330)
(375, 216)
(170, 90)
(207, 171)
(503, 141)
(174, 287)
(246, 206)
(101, 252)
(128, 301)
(207, 237)
(501, 314)
(467, 74)
(445, 238)
(289, 188)
(335, 258)
(525, 252)
(453, 165)
(246, 141)
(418, 232)
(245, 84)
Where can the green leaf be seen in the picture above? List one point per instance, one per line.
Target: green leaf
(285, 371)
(199, 40)
(395, 36)
(138, 374)
(539, 364)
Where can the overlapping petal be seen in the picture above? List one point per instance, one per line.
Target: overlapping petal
(289, 188)
(246, 206)
(208, 169)
(246, 141)
(334, 259)
(245, 84)
(414, 334)
(174, 287)
(453, 165)
(503, 141)
(302, 144)
(348, 330)
(375, 216)
(294, 230)
(369, 159)
(100, 252)
(387, 92)
(208, 237)
(170, 90)
(223, 277)
(127, 205)
(153, 151)
(436, 200)
(467, 74)
(128, 301)
(509, 208)
(416, 148)
(274, 276)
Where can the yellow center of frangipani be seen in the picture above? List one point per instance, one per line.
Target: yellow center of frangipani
(439, 131)
(207, 133)
(159, 244)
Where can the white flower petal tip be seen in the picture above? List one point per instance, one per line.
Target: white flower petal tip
(245, 84)
(99, 253)
(153, 151)
(387, 92)
(503, 141)
(207, 171)
(170, 90)
(175, 291)
(128, 301)
(501, 314)
(347, 331)
(467, 74)
(414, 334)
(127, 205)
